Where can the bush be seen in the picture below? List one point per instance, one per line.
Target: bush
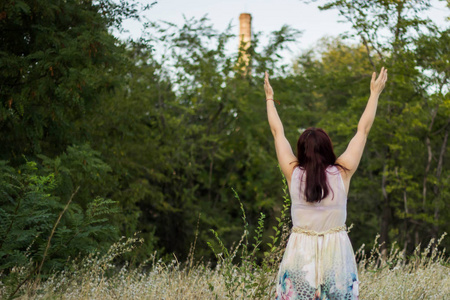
(39, 230)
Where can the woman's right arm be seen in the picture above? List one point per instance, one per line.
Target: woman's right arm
(352, 155)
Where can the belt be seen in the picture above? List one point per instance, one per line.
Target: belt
(316, 234)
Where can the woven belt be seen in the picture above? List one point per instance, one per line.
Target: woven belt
(318, 254)
(314, 233)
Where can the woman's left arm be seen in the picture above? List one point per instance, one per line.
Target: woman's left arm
(283, 148)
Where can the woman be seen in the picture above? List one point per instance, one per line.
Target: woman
(319, 261)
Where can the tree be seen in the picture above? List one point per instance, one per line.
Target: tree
(414, 102)
(56, 59)
(187, 126)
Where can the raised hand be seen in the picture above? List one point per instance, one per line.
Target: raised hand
(267, 88)
(377, 85)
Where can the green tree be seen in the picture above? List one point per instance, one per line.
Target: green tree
(187, 126)
(56, 58)
(406, 149)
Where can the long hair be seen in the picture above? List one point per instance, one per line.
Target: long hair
(314, 154)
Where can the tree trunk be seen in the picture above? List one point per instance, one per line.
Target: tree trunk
(430, 155)
(386, 214)
(436, 187)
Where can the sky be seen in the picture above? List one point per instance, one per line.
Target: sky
(267, 16)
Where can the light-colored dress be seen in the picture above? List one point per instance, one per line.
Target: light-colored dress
(319, 261)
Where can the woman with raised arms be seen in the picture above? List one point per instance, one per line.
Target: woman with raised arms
(319, 261)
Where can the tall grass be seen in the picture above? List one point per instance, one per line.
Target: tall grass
(423, 275)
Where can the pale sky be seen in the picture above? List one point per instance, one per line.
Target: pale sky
(267, 16)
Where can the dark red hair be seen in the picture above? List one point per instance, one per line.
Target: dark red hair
(314, 154)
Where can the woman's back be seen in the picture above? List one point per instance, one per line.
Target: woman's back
(330, 212)
(319, 262)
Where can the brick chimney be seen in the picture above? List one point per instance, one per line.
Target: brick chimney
(245, 36)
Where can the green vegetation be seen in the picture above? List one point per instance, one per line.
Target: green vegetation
(103, 138)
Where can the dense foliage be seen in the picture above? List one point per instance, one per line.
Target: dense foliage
(102, 137)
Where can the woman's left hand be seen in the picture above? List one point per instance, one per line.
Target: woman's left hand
(267, 88)
(377, 86)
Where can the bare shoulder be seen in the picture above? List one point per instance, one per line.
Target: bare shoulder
(290, 172)
(346, 175)
(286, 158)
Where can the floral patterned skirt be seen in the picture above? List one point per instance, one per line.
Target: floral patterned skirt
(318, 267)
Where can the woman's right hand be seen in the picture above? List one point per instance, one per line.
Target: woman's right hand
(377, 85)
(267, 87)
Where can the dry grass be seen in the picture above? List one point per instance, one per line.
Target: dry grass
(424, 275)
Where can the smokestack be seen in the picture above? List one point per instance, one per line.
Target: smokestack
(245, 36)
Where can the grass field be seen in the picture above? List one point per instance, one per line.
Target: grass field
(424, 275)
